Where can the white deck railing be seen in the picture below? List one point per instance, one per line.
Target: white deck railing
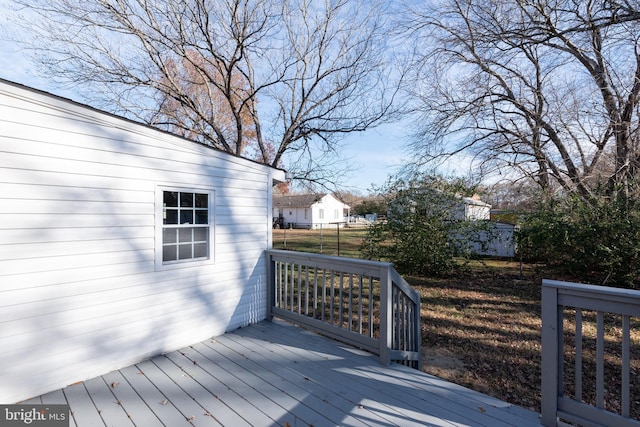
(586, 338)
(364, 303)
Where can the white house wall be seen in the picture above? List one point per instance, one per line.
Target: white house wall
(309, 216)
(80, 293)
(330, 206)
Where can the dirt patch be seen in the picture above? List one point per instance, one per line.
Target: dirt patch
(442, 363)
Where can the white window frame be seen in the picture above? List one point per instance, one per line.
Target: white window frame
(160, 226)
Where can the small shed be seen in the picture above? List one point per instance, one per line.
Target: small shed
(118, 241)
(308, 211)
(473, 209)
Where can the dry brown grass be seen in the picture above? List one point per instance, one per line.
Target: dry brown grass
(481, 329)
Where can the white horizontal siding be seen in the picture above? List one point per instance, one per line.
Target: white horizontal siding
(80, 294)
(10, 236)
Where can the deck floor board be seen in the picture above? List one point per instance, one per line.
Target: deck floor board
(273, 373)
(320, 398)
(363, 396)
(106, 403)
(134, 406)
(400, 404)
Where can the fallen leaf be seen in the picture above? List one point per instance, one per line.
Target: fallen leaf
(164, 402)
(114, 384)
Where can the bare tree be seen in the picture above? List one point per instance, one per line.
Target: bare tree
(545, 89)
(257, 78)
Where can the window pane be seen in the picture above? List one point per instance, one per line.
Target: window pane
(170, 198)
(200, 250)
(185, 235)
(184, 251)
(169, 235)
(186, 230)
(202, 200)
(201, 234)
(186, 200)
(202, 217)
(171, 216)
(169, 253)
(186, 217)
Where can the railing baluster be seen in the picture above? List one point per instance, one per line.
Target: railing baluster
(360, 303)
(286, 285)
(341, 298)
(292, 288)
(626, 365)
(578, 366)
(306, 291)
(332, 293)
(300, 288)
(276, 284)
(396, 317)
(324, 293)
(600, 359)
(315, 292)
(350, 320)
(405, 321)
(370, 307)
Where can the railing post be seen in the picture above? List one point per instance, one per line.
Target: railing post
(271, 284)
(417, 330)
(551, 348)
(386, 315)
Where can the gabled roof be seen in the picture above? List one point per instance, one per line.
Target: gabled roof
(299, 201)
(475, 202)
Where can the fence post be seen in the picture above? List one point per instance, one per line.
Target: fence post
(551, 355)
(386, 315)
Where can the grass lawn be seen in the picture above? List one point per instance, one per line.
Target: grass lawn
(328, 241)
(481, 326)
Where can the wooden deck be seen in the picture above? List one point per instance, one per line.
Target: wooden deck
(273, 373)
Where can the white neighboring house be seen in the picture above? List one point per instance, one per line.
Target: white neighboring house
(309, 211)
(118, 242)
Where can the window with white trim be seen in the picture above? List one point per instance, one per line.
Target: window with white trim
(186, 226)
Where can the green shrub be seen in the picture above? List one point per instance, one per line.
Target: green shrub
(595, 241)
(425, 232)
